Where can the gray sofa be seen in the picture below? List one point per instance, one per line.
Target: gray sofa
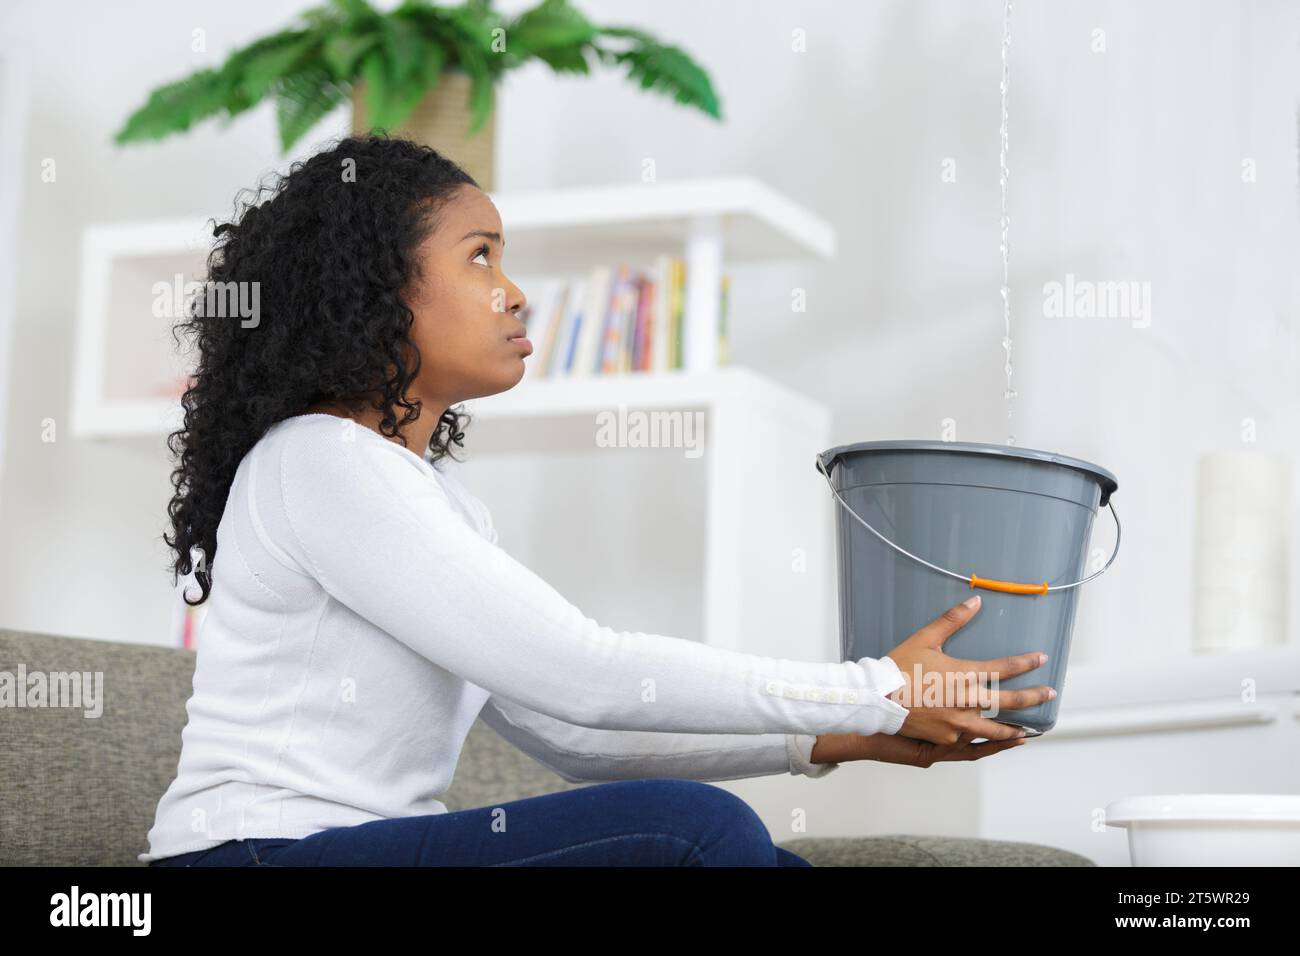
(82, 792)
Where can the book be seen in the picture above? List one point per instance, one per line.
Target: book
(573, 326)
(611, 358)
(661, 321)
(677, 316)
(594, 310)
(644, 315)
(537, 317)
(628, 322)
(616, 319)
(546, 346)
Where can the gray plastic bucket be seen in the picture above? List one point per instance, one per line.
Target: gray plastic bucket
(1012, 517)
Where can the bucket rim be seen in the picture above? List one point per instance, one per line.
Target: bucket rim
(1203, 807)
(1104, 477)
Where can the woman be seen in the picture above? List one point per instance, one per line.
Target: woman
(366, 616)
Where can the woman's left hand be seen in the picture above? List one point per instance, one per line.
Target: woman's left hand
(894, 748)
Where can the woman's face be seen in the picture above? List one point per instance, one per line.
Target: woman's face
(466, 326)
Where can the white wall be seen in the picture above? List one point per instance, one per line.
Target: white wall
(1125, 164)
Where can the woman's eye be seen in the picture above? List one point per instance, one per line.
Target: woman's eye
(482, 252)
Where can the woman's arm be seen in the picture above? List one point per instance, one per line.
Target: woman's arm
(582, 754)
(379, 534)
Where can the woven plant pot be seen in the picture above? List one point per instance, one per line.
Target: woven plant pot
(442, 121)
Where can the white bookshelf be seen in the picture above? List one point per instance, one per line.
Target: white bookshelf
(764, 500)
(126, 358)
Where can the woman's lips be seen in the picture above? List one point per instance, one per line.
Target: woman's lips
(523, 341)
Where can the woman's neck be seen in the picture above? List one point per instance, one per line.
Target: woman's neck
(418, 433)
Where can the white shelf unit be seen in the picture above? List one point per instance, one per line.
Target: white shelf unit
(126, 355)
(766, 509)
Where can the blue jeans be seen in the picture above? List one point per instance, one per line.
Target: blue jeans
(659, 822)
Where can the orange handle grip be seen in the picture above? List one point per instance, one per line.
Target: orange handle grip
(1011, 587)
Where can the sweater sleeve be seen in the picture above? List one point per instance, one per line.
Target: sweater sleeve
(581, 754)
(800, 747)
(378, 533)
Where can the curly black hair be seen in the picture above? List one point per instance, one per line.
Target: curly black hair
(331, 250)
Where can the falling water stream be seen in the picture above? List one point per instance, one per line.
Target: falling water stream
(1010, 393)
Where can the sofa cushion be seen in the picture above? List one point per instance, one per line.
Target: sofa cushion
(82, 791)
(907, 850)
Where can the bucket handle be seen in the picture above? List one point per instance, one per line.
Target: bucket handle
(1010, 587)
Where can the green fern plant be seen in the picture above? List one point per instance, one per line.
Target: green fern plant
(399, 57)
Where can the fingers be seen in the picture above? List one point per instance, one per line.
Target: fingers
(946, 624)
(961, 730)
(968, 691)
(963, 738)
(1020, 698)
(1006, 667)
(993, 730)
(963, 749)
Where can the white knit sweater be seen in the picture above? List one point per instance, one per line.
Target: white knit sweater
(363, 616)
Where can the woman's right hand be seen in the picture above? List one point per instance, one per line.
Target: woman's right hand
(953, 691)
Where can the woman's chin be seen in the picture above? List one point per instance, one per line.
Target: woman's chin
(521, 371)
(512, 375)
(505, 377)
